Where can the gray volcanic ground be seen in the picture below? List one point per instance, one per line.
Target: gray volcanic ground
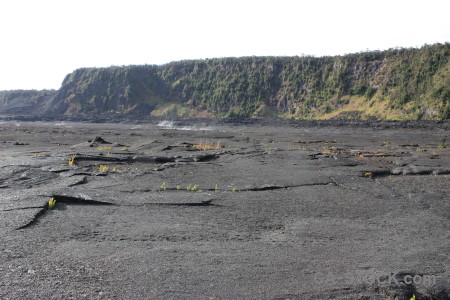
(231, 212)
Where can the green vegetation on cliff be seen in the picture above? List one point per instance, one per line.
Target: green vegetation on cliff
(392, 84)
(114, 89)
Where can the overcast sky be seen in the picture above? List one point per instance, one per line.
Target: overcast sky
(42, 41)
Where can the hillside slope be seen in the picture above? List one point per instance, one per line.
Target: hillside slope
(391, 84)
(25, 102)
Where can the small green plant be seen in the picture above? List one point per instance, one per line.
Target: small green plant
(103, 168)
(51, 203)
(124, 148)
(208, 146)
(156, 169)
(115, 170)
(104, 148)
(192, 188)
(163, 186)
(413, 297)
(442, 144)
(233, 189)
(216, 188)
(178, 187)
(368, 174)
(72, 160)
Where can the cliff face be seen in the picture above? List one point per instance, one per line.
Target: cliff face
(392, 84)
(404, 83)
(133, 89)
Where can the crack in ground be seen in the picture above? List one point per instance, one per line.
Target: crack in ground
(147, 159)
(59, 199)
(281, 187)
(403, 172)
(86, 157)
(81, 201)
(181, 163)
(341, 185)
(24, 208)
(35, 219)
(254, 189)
(203, 203)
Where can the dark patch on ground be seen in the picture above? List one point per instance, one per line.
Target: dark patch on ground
(78, 201)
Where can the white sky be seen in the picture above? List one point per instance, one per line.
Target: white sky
(42, 41)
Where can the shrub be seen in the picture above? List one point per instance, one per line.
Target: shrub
(51, 203)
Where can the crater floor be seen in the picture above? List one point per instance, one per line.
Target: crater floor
(230, 212)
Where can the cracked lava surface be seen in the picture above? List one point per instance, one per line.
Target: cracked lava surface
(230, 212)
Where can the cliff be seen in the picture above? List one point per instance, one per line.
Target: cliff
(392, 84)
